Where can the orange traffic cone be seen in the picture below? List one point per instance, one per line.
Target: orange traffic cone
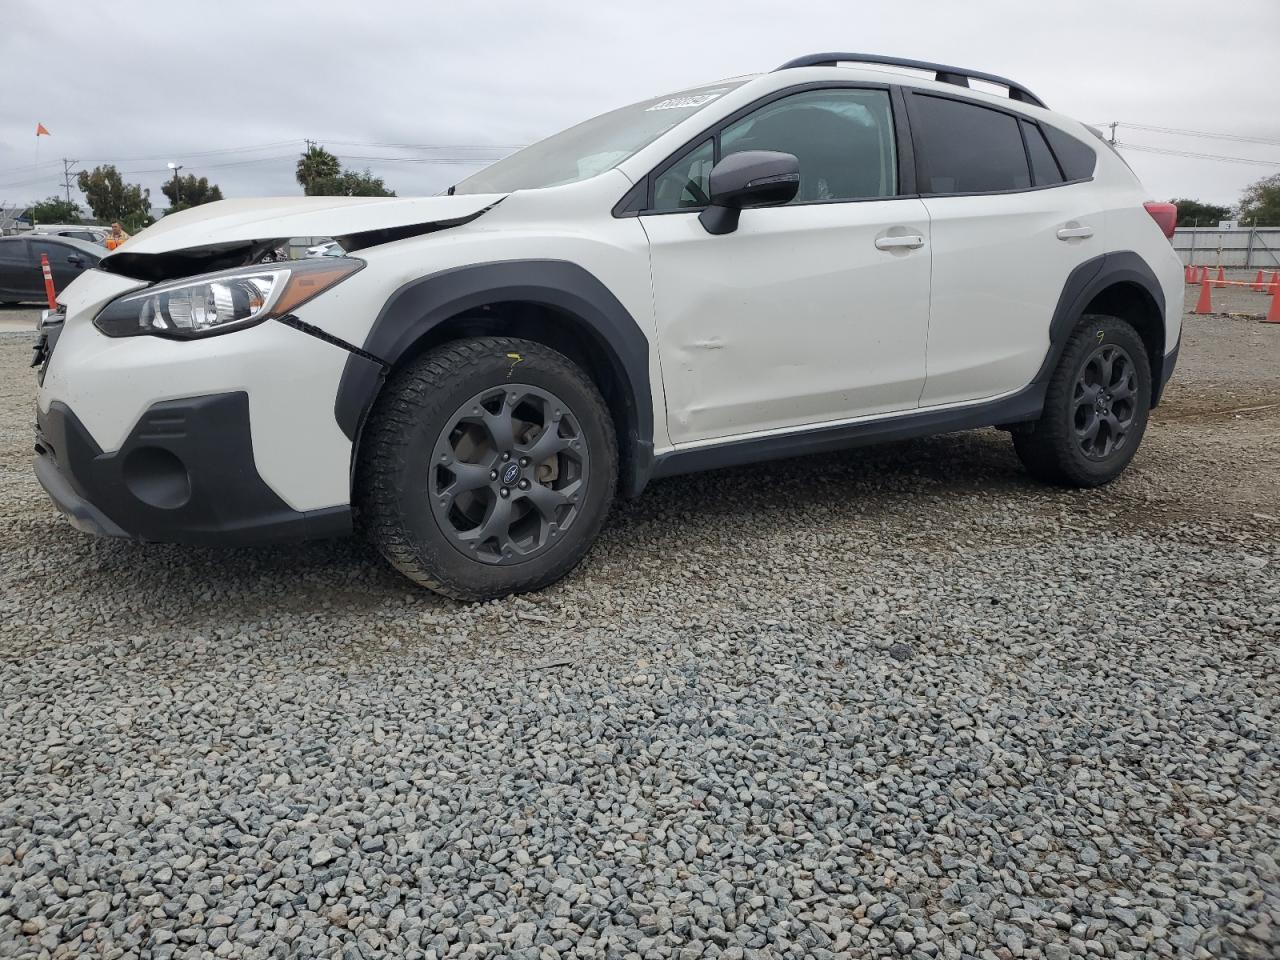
(1205, 304)
(1260, 281)
(1273, 315)
(1222, 276)
(1275, 281)
(1204, 274)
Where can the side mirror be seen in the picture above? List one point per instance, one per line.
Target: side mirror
(752, 178)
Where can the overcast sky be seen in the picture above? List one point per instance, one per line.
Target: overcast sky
(142, 84)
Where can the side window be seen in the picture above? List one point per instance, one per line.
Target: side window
(55, 251)
(13, 250)
(1044, 169)
(685, 182)
(843, 139)
(1077, 159)
(966, 148)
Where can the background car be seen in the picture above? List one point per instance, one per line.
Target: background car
(20, 276)
(74, 231)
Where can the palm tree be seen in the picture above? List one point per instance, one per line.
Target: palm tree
(315, 167)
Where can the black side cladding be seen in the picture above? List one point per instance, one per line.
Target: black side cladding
(1087, 281)
(420, 305)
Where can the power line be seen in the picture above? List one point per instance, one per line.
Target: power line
(444, 160)
(1196, 156)
(1177, 131)
(427, 146)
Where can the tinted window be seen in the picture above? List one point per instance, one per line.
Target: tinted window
(965, 148)
(13, 249)
(1076, 158)
(843, 139)
(1044, 169)
(685, 182)
(53, 250)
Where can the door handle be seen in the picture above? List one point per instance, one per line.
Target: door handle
(1075, 233)
(910, 242)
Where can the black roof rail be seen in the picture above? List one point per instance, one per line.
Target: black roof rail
(941, 72)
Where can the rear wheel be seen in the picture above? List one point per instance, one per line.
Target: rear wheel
(1095, 410)
(487, 468)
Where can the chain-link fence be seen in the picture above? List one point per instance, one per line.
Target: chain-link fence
(1247, 247)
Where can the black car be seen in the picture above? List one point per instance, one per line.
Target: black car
(20, 275)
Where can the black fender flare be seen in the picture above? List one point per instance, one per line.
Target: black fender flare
(420, 305)
(1084, 283)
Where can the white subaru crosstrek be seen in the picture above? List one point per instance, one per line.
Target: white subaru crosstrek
(809, 259)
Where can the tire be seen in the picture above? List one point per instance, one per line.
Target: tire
(1057, 448)
(434, 493)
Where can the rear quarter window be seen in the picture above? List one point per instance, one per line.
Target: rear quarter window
(1076, 157)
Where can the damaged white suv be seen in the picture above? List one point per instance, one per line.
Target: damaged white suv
(814, 258)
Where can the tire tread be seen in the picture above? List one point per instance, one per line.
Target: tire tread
(411, 393)
(1047, 450)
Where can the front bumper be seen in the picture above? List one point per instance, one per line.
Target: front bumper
(185, 474)
(225, 439)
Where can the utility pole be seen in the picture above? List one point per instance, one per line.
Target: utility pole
(66, 175)
(1114, 124)
(177, 184)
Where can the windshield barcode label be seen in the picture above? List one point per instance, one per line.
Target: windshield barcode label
(683, 103)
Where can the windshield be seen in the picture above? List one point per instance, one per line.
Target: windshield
(594, 146)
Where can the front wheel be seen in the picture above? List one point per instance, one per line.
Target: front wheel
(487, 468)
(1095, 409)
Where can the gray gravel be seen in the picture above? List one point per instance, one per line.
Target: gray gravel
(898, 703)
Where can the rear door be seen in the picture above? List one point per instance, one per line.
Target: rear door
(15, 265)
(1007, 229)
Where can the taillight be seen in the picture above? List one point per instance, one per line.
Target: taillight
(1165, 215)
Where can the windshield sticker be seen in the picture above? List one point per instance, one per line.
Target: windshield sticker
(683, 103)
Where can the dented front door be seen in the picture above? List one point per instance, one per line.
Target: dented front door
(806, 314)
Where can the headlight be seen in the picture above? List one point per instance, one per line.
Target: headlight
(218, 302)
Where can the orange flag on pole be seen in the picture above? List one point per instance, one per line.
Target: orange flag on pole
(42, 131)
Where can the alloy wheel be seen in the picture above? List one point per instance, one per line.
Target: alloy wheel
(1103, 402)
(509, 473)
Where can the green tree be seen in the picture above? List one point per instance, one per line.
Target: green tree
(55, 210)
(321, 175)
(316, 166)
(1260, 203)
(189, 191)
(110, 198)
(1192, 213)
(349, 183)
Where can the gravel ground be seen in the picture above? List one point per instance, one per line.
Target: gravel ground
(896, 702)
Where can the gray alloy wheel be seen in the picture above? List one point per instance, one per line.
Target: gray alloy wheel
(486, 467)
(509, 473)
(1095, 407)
(1103, 401)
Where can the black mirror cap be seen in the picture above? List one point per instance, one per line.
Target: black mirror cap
(752, 178)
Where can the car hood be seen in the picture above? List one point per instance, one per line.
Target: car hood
(276, 218)
(236, 233)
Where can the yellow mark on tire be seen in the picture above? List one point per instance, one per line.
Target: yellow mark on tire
(514, 358)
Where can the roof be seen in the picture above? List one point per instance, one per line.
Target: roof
(82, 245)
